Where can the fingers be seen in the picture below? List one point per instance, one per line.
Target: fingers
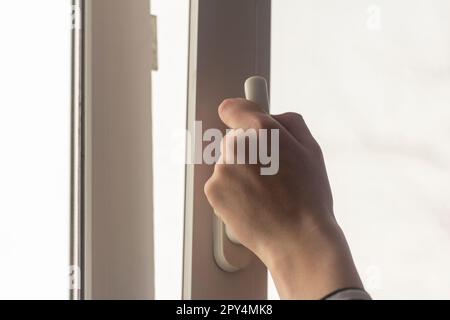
(295, 124)
(241, 113)
(239, 147)
(212, 192)
(218, 188)
(244, 114)
(228, 148)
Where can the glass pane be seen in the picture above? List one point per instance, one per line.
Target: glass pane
(169, 123)
(372, 81)
(35, 146)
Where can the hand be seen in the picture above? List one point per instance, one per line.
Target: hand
(286, 219)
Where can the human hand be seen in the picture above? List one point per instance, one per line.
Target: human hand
(286, 219)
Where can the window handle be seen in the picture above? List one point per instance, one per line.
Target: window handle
(229, 254)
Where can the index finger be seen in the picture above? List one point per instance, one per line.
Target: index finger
(240, 113)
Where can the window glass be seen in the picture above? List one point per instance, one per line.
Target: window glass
(35, 146)
(371, 79)
(169, 123)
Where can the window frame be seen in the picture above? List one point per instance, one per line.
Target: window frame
(112, 254)
(229, 42)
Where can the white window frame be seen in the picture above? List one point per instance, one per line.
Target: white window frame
(229, 42)
(112, 200)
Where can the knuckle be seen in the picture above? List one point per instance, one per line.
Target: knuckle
(228, 146)
(259, 121)
(293, 116)
(215, 187)
(221, 171)
(316, 148)
(211, 189)
(227, 105)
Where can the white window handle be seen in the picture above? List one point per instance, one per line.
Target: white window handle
(229, 254)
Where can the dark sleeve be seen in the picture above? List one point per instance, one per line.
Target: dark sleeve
(348, 294)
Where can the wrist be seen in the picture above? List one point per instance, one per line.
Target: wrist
(312, 262)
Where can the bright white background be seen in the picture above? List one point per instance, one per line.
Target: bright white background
(34, 148)
(371, 78)
(170, 96)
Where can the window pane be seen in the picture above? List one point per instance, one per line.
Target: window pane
(35, 146)
(169, 123)
(371, 79)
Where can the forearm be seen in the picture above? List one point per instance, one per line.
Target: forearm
(314, 265)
